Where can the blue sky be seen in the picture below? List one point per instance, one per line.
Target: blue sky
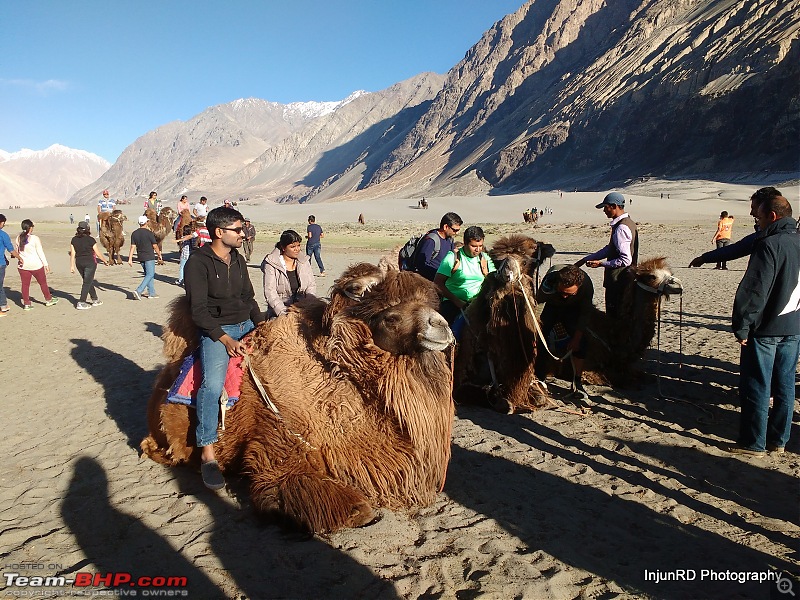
(95, 75)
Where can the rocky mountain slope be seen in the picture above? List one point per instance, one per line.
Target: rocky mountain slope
(46, 177)
(560, 94)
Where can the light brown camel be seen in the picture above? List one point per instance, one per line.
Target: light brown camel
(365, 404)
(161, 224)
(497, 352)
(112, 235)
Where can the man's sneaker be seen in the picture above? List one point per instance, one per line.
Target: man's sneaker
(136, 295)
(97, 303)
(83, 306)
(152, 297)
(775, 449)
(4, 309)
(51, 302)
(179, 282)
(27, 307)
(3, 313)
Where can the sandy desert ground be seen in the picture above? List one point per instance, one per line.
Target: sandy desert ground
(543, 505)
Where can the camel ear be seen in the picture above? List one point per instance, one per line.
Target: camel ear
(386, 265)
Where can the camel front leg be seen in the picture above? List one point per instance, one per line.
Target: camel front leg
(313, 501)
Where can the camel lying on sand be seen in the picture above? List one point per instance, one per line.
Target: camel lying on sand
(496, 361)
(363, 394)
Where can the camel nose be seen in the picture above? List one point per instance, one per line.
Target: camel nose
(437, 320)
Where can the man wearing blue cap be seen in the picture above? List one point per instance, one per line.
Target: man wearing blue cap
(621, 252)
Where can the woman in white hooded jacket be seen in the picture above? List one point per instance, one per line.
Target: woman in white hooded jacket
(287, 275)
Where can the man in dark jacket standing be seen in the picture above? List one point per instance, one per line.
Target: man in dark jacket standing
(435, 245)
(766, 323)
(224, 308)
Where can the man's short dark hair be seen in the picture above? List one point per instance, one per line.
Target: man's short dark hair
(222, 216)
(765, 193)
(473, 233)
(723, 214)
(312, 219)
(569, 276)
(779, 205)
(2, 218)
(203, 198)
(450, 219)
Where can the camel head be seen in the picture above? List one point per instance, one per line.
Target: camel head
(655, 276)
(350, 288)
(169, 214)
(516, 255)
(401, 312)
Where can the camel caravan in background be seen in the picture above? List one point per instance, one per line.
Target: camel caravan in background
(346, 404)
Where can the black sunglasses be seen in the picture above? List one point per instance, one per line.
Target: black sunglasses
(234, 229)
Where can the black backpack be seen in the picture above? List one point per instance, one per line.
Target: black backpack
(407, 256)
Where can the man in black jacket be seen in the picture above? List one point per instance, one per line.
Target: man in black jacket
(224, 308)
(766, 323)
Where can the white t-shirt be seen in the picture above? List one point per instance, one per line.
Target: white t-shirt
(201, 210)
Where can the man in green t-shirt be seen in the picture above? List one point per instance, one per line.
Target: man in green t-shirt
(461, 274)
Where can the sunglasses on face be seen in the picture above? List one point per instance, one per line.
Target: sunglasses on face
(234, 229)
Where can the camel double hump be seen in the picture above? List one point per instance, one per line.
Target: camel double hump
(363, 392)
(496, 360)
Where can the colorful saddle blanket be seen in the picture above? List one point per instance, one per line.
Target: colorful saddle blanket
(184, 390)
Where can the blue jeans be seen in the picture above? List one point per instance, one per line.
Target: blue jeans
(214, 361)
(314, 250)
(149, 267)
(180, 269)
(3, 299)
(767, 368)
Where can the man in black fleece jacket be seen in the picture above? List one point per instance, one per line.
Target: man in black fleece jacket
(224, 308)
(766, 323)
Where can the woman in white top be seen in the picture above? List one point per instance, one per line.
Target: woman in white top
(33, 264)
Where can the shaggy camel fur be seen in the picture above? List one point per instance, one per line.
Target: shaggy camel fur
(112, 236)
(365, 407)
(185, 219)
(161, 225)
(616, 343)
(497, 352)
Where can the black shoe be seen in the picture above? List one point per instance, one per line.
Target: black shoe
(212, 476)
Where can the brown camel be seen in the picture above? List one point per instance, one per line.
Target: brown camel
(497, 352)
(161, 225)
(185, 219)
(112, 236)
(365, 406)
(617, 343)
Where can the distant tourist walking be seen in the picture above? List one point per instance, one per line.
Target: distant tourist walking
(71, 219)
(144, 241)
(6, 246)
(32, 264)
(314, 235)
(83, 256)
(249, 239)
(723, 236)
